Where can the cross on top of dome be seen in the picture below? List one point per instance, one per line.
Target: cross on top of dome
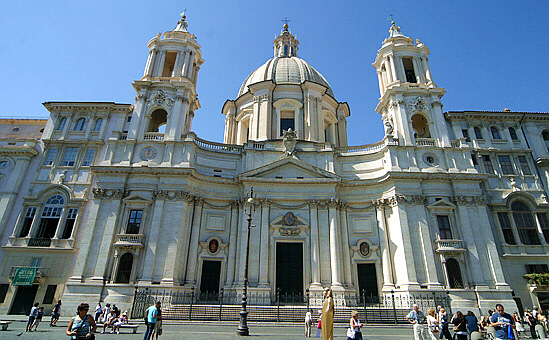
(182, 24)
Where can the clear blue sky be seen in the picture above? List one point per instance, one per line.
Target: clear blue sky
(487, 54)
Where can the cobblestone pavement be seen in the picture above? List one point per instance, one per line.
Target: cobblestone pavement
(202, 330)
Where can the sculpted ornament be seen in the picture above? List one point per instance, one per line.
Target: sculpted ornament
(417, 105)
(160, 98)
(101, 193)
(388, 126)
(289, 140)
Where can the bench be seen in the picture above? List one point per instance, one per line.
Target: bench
(128, 326)
(5, 325)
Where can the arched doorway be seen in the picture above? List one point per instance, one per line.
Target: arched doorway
(420, 126)
(125, 265)
(157, 122)
(454, 273)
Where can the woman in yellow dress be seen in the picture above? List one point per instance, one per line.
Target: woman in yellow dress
(328, 316)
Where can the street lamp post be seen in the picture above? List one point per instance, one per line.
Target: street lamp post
(242, 329)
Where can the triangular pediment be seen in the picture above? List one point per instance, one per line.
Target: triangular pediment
(442, 204)
(289, 168)
(137, 198)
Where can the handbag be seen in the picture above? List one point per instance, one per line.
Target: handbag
(350, 333)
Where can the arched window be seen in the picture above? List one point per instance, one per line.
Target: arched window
(545, 135)
(125, 265)
(478, 134)
(49, 219)
(524, 220)
(419, 124)
(158, 120)
(513, 133)
(97, 126)
(80, 124)
(454, 273)
(495, 132)
(62, 123)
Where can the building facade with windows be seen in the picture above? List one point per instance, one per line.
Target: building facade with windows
(119, 196)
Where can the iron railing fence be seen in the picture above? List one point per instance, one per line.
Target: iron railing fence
(212, 306)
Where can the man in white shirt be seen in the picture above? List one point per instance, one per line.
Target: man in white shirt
(417, 318)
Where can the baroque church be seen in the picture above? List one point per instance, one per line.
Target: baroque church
(114, 197)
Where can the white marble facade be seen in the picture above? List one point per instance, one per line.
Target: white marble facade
(119, 196)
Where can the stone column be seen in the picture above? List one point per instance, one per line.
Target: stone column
(241, 236)
(393, 68)
(417, 70)
(380, 81)
(347, 279)
(386, 263)
(388, 73)
(183, 246)
(400, 69)
(192, 257)
(188, 63)
(427, 242)
(178, 62)
(265, 244)
(150, 63)
(176, 119)
(540, 230)
(263, 122)
(428, 75)
(315, 253)
(137, 116)
(175, 236)
(233, 233)
(487, 136)
(334, 244)
(159, 65)
(152, 239)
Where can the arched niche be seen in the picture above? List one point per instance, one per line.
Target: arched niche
(157, 120)
(420, 125)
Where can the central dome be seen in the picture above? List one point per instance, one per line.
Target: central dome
(285, 70)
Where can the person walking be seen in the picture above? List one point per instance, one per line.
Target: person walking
(432, 324)
(417, 318)
(328, 316)
(472, 323)
(55, 314)
(32, 316)
(444, 325)
(308, 323)
(502, 321)
(38, 318)
(532, 322)
(82, 326)
(460, 326)
(152, 317)
(355, 327)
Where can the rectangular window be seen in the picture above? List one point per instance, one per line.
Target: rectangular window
(409, 70)
(69, 223)
(537, 269)
(50, 156)
(27, 221)
(3, 291)
(524, 165)
(70, 157)
(48, 222)
(505, 224)
(285, 124)
(505, 164)
(49, 295)
(134, 222)
(36, 262)
(487, 164)
(466, 135)
(444, 227)
(474, 158)
(544, 222)
(88, 158)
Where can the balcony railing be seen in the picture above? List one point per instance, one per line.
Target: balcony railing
(450, 246)
(40, 272)
(425, 141)
(136, 240)
(153, 136)
(213, 146)
(39, 242)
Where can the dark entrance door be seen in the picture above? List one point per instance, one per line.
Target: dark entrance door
(367, 281)
(209, 283)
(289, 271)
(24, 299)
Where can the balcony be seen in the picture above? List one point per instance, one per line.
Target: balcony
(153, 136)
(130, 240)
(425, 142)
(39, 242)
(450, 246)
(40, 272)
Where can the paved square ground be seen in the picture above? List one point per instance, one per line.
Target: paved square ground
(202, 330)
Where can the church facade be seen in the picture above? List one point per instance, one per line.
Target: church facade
(118, 196)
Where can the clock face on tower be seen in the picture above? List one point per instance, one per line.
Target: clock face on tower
(148, 153)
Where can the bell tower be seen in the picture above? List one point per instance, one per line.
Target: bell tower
(410, 101)
(166, 94)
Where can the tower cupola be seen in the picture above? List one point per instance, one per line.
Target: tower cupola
(285, 45)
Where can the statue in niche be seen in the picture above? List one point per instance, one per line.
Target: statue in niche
(289, 140)
(388, 124)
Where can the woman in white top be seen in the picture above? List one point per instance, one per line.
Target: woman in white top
(308, 323)
(356, 325)
(432, 323)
